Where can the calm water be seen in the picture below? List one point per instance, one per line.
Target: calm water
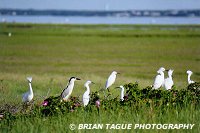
(100, 20)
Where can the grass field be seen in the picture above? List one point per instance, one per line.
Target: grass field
(51, 54)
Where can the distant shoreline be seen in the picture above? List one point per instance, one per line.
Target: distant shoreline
(88, 13)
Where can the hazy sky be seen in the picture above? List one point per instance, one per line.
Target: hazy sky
(101, 4)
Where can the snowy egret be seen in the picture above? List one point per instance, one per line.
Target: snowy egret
(68, 90)
(111, 80)
(168, 83)
(122, 92)
(189, 72)
(159, 80)
(28, 96)
(9, 34)
(86, 95)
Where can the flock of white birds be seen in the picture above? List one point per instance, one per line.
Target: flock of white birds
(160, 81)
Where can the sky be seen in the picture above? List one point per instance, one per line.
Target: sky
(101, 4)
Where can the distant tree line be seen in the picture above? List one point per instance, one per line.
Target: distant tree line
(128, 13)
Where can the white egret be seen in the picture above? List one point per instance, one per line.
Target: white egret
(122, 92)
(68, 90)
(9, 34)
(111, 80)
(86, 95)
(189, 72)
(28, 96)
(168, 83)
(159, 80)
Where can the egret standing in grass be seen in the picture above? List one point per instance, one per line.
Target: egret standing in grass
(168, 83)
(122, 92)
(9, 34)
(111, 80)
(189, 72)
(68, 90)
(86, 95)
(28, 96)
(159, 80)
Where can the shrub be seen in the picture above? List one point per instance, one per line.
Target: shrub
(134, 98)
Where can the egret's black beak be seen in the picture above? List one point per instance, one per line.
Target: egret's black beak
(167, 70)
(78, 79)
(117, 87)
(93, 83)
(118, 73)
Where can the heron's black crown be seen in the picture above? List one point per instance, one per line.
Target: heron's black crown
(72, 78)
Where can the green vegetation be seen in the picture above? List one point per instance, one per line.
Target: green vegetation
(51, 54)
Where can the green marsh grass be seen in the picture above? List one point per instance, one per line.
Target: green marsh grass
(53, 53)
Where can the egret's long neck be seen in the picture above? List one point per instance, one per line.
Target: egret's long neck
(88, 88)
(189, 78)
(162, 74)
(30, 87)
(170, 76)
(122, 94)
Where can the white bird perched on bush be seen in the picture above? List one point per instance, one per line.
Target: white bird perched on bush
(68, 90)
(189, 72)
(122, 92)
(86, 95)
(159, 80)
(111, 79)
(168, 83)
(28, 96)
